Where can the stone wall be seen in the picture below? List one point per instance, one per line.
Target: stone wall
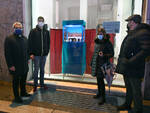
(10, 11)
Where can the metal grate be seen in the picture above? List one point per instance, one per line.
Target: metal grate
(75, 99)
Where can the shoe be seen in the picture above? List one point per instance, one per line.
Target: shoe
(44, 87)
(34, 89)
(96, 96)
(102, 101)
(139, 111)
(25, 95)
(123, 107)
(18, 100)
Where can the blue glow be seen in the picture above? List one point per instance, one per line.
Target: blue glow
(73, 31)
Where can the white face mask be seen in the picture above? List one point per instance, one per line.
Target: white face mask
(41, 24)
(100, 37)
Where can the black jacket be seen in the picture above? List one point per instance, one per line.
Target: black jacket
(107, 48)
(39, 42)
(135, 51)
(16, 53)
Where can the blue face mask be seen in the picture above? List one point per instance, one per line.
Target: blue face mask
(100, 37)
(18, 31)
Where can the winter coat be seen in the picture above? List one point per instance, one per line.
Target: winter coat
(107, 48)
(136, 50)
(16, 54)
(39, 41)
(120, 68)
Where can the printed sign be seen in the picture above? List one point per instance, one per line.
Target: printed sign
(73, 31)
(112, 27)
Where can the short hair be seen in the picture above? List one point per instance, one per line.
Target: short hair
(15, 23)
(40, 17)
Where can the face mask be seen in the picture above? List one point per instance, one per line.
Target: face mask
(100, 37)
(18, 31)
(41, 24)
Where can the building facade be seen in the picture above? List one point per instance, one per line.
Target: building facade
(55, 11)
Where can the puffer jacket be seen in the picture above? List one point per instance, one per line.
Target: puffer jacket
(136, 50)
(107, 48)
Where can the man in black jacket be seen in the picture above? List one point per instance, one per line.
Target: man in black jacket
(16, 54)
(131, 63)
(39, 45)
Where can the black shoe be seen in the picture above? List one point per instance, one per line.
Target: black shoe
(44, 87)
(35, 89)
(18, 100)
(96, 96)
(102, 101)
(139, 111)
(25, 95)
(123, 107)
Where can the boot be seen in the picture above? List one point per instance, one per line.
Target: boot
(18, 100)
(102, 101)
(96, 96)
(35, 89)
(124, 107)
(25, 94)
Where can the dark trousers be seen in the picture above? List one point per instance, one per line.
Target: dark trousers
(101, 85)
(133, 93)
(19, 81)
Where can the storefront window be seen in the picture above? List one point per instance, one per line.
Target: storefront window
(93, 12)
(67, 10)
(100, 11)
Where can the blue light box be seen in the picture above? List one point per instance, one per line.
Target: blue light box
(74, 31)
(74, 47)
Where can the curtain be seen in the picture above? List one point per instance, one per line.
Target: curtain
(55, 50)
(90, 35)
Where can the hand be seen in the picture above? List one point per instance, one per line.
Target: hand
(100, 53)
(32, 57)
(12, 68)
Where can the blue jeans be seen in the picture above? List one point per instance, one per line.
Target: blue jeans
(39, 62)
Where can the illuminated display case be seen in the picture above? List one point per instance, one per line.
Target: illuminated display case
(74, 47)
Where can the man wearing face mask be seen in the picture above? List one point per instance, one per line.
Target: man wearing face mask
(17, 56)
(39, 46)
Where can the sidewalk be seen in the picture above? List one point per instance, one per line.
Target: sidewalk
(62, 97)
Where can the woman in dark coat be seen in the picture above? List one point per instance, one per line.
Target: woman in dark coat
(103, 51)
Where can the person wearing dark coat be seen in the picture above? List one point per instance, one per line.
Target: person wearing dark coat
(103, 51)
(131, 62)
(39, 46)
(16, 55)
